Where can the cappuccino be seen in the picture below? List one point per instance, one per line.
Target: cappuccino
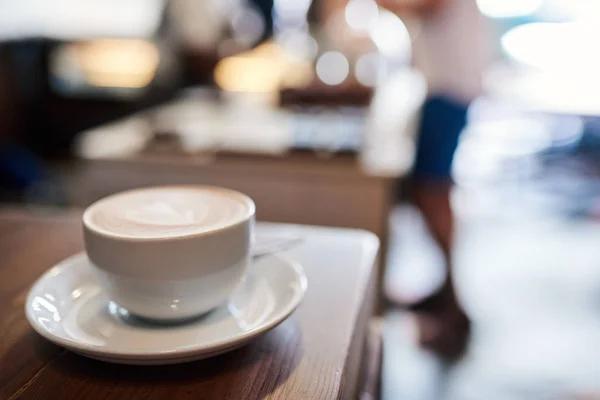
(172, 252)
(170, 211)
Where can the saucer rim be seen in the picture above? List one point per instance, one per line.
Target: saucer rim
(188, 351)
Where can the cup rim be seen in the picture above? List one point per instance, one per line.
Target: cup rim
(250, 212)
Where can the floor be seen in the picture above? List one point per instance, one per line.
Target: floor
(533, 290)
(528, 274)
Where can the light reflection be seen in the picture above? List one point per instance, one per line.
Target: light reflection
(508, 8)
(361, 15)
(298, 43)
(391, 36)
(261, 70)
(368, 68)
(76, 322)
(119, 139)
(555, 47)
(41, 304)
(76, 19)
(255, 310)
(536, 90)
(290, 14)
(292, 7)
(511, 137)
(332, 68)
(115, 309)
(248, 26)
(572, 10)
(76, 293)
(562, 73)
(246, 74)
(45, 322)
(122, 63)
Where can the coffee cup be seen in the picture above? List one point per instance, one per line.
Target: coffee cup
(172, 252)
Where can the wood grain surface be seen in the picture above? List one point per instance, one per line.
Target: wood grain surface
(315, 354)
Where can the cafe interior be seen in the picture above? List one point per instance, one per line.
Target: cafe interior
(448, 267)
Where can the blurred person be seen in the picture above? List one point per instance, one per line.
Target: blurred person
(452, 49)
(21, 173)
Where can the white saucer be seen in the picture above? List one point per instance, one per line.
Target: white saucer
(67, 307)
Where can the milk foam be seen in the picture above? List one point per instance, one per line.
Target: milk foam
(167, 211)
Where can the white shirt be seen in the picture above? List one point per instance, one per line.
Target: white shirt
(453, 48)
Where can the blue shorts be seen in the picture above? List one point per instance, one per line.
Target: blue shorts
(442, 121)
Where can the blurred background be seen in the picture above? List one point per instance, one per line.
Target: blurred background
(312, 108)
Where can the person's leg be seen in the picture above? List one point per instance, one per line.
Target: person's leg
(443, 324)
(441, 124)
(433, 201)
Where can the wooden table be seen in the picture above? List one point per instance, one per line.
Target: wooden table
(318, 353)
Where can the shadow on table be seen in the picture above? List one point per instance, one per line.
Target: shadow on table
(254, 370)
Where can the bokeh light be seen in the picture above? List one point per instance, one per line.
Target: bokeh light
(368, 68)
(332, 68)
(391, 36)
(508, 8)
(361, 15)
(556, 47)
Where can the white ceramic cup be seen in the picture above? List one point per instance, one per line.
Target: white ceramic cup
(172, 277)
